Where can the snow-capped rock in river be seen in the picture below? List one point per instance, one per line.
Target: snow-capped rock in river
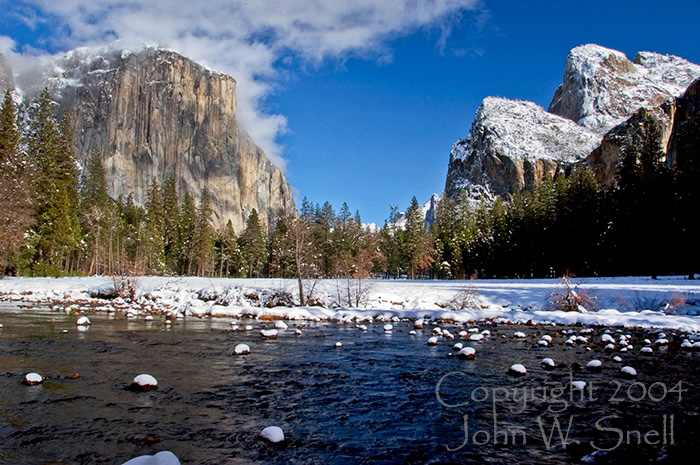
(31, 379)
(269, 333)
(161, 458)
(241, 349)
(273, 434)
(517, 370)
(144, 382)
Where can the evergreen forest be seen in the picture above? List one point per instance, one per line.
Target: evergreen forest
(58, 219)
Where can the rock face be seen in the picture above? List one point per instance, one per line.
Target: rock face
(686, 127)
(512, 145)
(153, 113)
(605, 104)
(627, 135)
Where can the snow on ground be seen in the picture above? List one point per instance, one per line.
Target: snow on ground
(672, 302)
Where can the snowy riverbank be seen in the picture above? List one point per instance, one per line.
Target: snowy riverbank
(671, 302)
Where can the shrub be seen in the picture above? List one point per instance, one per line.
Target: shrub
(126, 287)
(571, 298)
(467, 298)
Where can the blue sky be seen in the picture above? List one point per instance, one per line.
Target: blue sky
(362, 103)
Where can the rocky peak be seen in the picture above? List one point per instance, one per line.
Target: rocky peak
(602, 88)
(152, 112)
(512, 145)
(672, 73)
(605, 103)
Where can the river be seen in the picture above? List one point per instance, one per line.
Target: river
(381, 398)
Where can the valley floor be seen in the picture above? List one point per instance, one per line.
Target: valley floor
(670, 302)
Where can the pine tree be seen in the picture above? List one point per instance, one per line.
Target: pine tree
(686, 212)
(392, 243)
(187, 228)
(501, 238)
(657, 196)
(580, 219)
(204, 234)
(171, 212)
(57, 231)
(640, 201)
(132, 231)
(325, 221)
(229, 254)
(67, 165)
(307, 209)
(253, 243)
(15, 190)
(97, 215)
(418, 244)
(281, 253)
(345, 242)
(154, 241)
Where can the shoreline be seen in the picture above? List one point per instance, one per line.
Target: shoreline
(672, 301)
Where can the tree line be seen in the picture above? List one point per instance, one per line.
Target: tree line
(646, 223)
(58, 219)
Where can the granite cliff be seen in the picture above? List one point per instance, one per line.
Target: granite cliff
(152, 112)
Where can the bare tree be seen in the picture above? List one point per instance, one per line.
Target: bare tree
(304, 255)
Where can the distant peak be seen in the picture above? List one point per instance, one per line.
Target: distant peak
(594, 50)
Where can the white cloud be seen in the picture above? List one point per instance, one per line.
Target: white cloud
(247, 39)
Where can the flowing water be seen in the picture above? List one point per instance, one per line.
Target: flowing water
(381, 398)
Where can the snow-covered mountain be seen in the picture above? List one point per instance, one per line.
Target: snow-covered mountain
(427, 208)
(602, 88)
(512, 145)
(604, 97)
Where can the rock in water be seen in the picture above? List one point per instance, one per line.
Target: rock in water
(579, 385)
(467, 353)
(517, 370)
(269, 333)
(241, 349)
(161, 458)
(144, 383)
(32, 379)
(273, 434)
(594, 365)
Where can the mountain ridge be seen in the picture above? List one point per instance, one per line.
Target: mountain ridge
(511, 146)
